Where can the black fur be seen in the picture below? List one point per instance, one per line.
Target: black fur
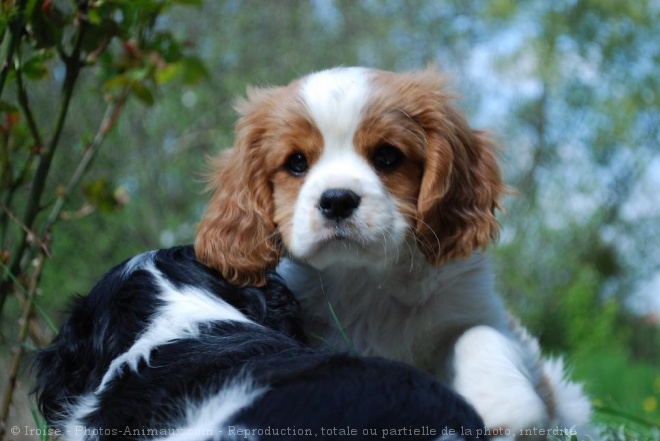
(305, 389)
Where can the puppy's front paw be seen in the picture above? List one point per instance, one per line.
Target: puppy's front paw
(501, 380)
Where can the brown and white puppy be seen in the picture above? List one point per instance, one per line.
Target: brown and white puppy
(374, 199)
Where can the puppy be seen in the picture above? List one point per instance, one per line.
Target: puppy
(163, 347)
(374, 199)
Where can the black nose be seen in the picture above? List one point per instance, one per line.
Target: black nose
(338, 203)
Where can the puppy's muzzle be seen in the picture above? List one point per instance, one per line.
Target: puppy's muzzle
(338, 203)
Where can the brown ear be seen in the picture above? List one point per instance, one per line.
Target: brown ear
(237, 235)
(459, 193)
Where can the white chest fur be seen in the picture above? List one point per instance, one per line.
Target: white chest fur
(411, 311)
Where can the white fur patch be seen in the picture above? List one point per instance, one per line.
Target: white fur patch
(496, 376)
(572, 406)
(185, 310)
(335, 99)
(209, 420)
(137, 262)
(73, 427)
(204, 421)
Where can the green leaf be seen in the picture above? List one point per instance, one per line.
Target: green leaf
(168, 73)
(116, 82)
(94, 16)
(44, 34)
(29, 8)
(194, 70)
(101, 194)
(139, 74)
(167, 46)
(100, 31)
(35, 68)
(143, 93)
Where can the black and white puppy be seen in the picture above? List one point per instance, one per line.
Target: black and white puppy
(164, 348)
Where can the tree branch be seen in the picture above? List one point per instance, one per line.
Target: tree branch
(15, 31)
(107, 123)
(25, 104)
(18, 350)
(30, 234)
(23, 101)
(73, 67)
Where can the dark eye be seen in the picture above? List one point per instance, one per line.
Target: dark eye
(296, 164)
(386, 158)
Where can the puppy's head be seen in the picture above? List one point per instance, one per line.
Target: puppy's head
(349, 166)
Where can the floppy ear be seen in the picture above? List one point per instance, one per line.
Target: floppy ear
(237, 235)
(460, 190)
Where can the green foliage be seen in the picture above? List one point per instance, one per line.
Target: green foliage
(625, 392)
(587, 332)
(618, 382)
(129, 54)
(40, 424)
(42, 40)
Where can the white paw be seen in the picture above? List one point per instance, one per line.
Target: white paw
(498, 377)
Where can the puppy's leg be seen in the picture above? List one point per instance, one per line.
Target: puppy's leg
(501, 378)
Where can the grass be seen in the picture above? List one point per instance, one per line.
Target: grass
(618, 425)
(41, 425)
(625, 392)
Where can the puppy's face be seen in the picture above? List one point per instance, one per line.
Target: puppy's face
(349, 167)
(347, 194)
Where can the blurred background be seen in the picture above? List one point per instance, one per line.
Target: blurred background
(569, 88)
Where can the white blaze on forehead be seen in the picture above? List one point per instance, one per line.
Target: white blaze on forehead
(335, 99)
